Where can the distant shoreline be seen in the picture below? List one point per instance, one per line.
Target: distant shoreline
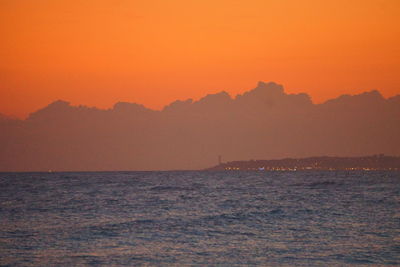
(379, 162)
(324, 163)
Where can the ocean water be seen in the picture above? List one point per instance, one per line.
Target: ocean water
(200, 218)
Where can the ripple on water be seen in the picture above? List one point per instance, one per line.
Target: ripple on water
(205, 218)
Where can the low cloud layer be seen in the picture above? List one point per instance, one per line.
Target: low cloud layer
(263, 123)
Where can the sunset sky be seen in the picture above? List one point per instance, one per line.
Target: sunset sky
(97, 52)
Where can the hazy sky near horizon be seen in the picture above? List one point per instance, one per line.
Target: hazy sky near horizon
(152, 52)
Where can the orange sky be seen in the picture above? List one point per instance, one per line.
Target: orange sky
(96, 52)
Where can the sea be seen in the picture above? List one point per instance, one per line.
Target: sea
(200, 218)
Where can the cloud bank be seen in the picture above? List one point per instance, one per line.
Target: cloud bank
(263, 123)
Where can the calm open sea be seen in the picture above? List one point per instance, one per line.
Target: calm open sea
(200, 218)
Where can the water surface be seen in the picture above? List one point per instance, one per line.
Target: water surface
(204, 218)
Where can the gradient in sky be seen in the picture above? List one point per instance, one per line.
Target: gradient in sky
(97, 52)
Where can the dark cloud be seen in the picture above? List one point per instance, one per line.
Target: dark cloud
(263, 123)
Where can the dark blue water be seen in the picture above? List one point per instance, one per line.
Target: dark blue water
(200, 218)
